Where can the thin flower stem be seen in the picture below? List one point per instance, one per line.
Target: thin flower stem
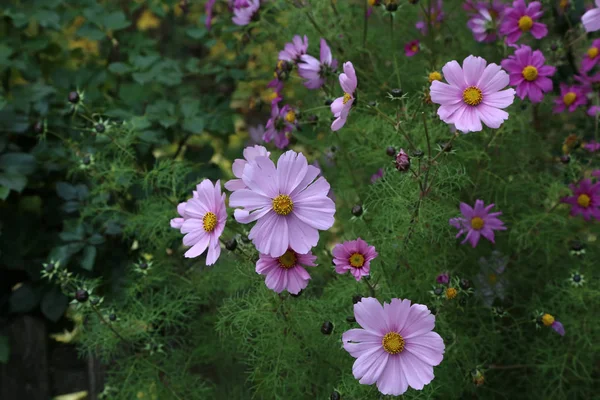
(109, 326)
(542, 218)
(352, 174)
(399, 127)
(159, 369)
(426, 135)
(365, 24)
(445, 148)
(371, 288)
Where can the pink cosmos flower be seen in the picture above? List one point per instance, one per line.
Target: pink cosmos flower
(483, 21)
(520, 19)
(208, 8)
(592, 146)
(287, 271)
(586, 81)
(411, 48)
(354, 256)
(596, 173)
(473, 95)
(585, 200)
(293, 51)
(435, 17)
(315, 71)
(396, 347)
(277, 85)
(593, 111)
(591, 18)
(592, 56)
(256, 134)
(250, 154)
(203, 221)
(377, 176)
(342, 105)
(477, 222)
(244, 11)
(280, 125)
(558, 328)
(443, 278)
(287, 203)
(570, 98)
(529, 74)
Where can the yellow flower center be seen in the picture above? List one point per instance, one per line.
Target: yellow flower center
(563, 4)
(283, 204)
(492, 278)
(477, 223)
(569, 98)
(393, 343)
(584, 200)
(280, 64)
(290, 117)
(530, 73)
(287, 260)
(347, 97)
(451, 293)
(357, 260)
(435, 76)
(472, 96)
(547, 319)
(525, 23)
(414, 48)
(592, 52)
(371, 2)
(209, 221)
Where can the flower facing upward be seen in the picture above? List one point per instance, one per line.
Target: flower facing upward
(250, 154)
(244, 11)
(315, 71)
(342, 105)
(354, 256)
(585, 200)
(287, 271)
(472, 95)
(280, 125)
(203, 222)
(529, 74)
(287, 203)
(396, 347)
(591, 18)
(592, 56)
(411, 48)
(484, 19)
(477, 222)
(570, 98)
(521, 18)
(293, 51)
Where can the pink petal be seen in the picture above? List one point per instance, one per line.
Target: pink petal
(369, 314)
(396, 313)
(419, 321)
(428, 347)
(491, 117)
(270, 235)
(453, 73)
(473, 68)
(500, 99)
(249, 200)
(311, 173)
(302, 236)
(369, 366)
(493, 80)
(393, 381)
(417, 372)
(214, 251)
(291, 169)
(442, 93)
(363, 341)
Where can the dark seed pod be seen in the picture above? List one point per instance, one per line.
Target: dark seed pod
(74, 97)
(100, 128)
(390, 151)
(335, 396)
(143, 265)
(447, 147)
(576, 278)
(372, 104)
(402, 161)
(396, 92)
(328, 102)
(38, 127)
(112, 317)
(231, 244)
(297, 294)
(350, 319)
(554, 47)
(391, 6)
(417, 153)
(86, 160)
(49, 267)
(82, 296)
(327, 328)
(94, 301)
(357, 210)
(465, 284)
(462, 301)
(438, 291)
(577, 246)
(356, 298)
(565, 159)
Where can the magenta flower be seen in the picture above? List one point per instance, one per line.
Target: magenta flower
(591, 57)
(586, 81)
(287, 203)
(287, 271)
(473, 95)
(396, 347)
(342, 105)
(585, 200)
(596, 173)
(434, 18)
(443, 278)
(591, 18)
(570, 98)
(477, 222)
(280, 125)
(244, 11)
(208, 8)
(277, 86)
(377, 176)
(315, 71)
(483, 21)
(592, 146)
(558, 328)
(250, 154)
(529, 74)
(411, 48)
(520, 19)
(293, 51)
(593, 111)
(203, 221)
(354, 256)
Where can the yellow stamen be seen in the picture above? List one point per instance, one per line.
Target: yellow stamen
(525, 23)
(287, 260)
(414, 48)
(530, 73)
(347, 97)
(472, 96)
(477, 223)
(283, 204)
(357, 260)
(209, 221)
(435, 76)
(290, 117)
(584, 200)
(451, 293)
(592, 52)
(492, 278)
(569, 98)
(547, 319)
(393, 343)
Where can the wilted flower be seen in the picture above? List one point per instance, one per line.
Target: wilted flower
(292, 52)
(377, 176)
(402, 161)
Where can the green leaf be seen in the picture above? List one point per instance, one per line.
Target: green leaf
(19, 19)
(18, 163)
(66, 191)
(4, 192)
(119, 68)
(47, 18)
(143, 77)
(196, 33)
(115, 21)
(194, 124)
(190, 107)
(16, 182)
(144, 62)
(5, 53)
(89, 257)
(73, 231)
(54, 304)
(23, 300)
(96, 239)
(4, 349)
(91, 32)
(140, 123)
(70, 206)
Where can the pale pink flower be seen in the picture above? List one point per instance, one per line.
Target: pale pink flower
(342, 105)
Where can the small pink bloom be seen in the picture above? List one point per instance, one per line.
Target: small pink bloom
(315, 71)
(354, 256)
(591, 18)
(435, 17)
(411, 48)
(293, 51)
(472, 95)
(529, 74)
(592, 146)
(443, 278)
(593, 111)
(484, 20)
(208, 8)
(585, 200)
(280, 125)
(244, 11)
(287, 271)
(558, 328)
(477, 222)
(377, 176)
(342, 105)
(250, 154)
(592, 56)
(570, 98)
(521, 18)
(396, 347)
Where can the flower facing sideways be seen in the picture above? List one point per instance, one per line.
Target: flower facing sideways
(591, 18)
(342, 105)
(244, 11)
(315, 71)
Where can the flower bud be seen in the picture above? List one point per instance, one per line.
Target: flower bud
(402, 161)
(327, 328)
(82, 295)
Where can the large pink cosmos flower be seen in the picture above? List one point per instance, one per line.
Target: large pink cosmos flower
(591, 18)
(342, 105)
(250, 154)
(290, 208)
(529, 74)
(244, 11)
(592, 56)
(473, 95)
(570, 98)
(280, 125)
(286, 272)
(521, 18)
(354, 256)
(203, 221)
(477, 222)
(293, 51)
(585, 200)
(315, 71)
(396, 347)
(483, 21)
